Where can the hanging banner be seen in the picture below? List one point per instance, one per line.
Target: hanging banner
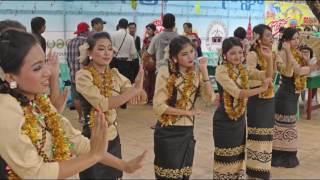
(279, 14)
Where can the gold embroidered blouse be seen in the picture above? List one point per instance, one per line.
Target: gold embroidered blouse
(252, 62)
(85, 86)
(229, 85)
(161, 95)
(284, 66)
(17, 149)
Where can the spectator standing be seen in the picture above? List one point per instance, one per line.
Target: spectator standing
(149, 66)
(38, 26)
(132, 31)
(72, 59)
(97, 24)
(187, 28)
(161, 41)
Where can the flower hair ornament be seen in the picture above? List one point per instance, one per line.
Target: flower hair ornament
(256, 36)
(83, 49)
(2, 74)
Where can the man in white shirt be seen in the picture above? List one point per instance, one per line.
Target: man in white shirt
(123, 42)
(132, 27)
(126, 50)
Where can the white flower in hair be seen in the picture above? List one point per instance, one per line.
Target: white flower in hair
(2, 74)
(83, 49)
(256, 36)
(253, 42)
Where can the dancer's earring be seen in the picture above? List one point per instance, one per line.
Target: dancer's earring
(13, 85)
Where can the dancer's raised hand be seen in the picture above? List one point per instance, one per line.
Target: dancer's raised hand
(98, 142)
(203, 63)
(266, 52)
(53, 62)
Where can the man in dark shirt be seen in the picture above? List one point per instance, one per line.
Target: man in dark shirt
(38, 26)
(132, 31)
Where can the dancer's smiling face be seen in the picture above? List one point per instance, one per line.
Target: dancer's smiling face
(235, 55)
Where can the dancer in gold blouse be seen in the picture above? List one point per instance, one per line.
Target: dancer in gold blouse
(177, 87)
(103, 88)
(260, 113)
(229, 124)
(293, 69)
(36, 142)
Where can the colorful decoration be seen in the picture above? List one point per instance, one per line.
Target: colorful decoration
(104, 84)
(134, 4)
(235, 108)
(278, 14)
(166, 119)
(249, 30)
(269, 93)
(300, 82)
(40, 113)
(197, 7)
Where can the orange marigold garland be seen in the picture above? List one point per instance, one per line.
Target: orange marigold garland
(40, 111)
(234, 112)
(182, 103)
(300, 82)
(104, 84)
(269, 93)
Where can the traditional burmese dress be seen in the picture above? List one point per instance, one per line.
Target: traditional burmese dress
(17, 150)
(230, 135)
(260, 120)
(284, 149)
(92, 98)
(174, 144)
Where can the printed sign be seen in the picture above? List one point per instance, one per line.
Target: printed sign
(278, 14)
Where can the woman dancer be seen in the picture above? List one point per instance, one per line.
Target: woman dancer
(149, 64)
(103, 88)
(229, 125)
(260, 113)
(35, 141)
(177, 87)
(293, 70)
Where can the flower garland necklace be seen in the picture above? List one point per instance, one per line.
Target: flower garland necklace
(234, 112)
(104, 84)
(35, 113)
(300, 82)
(263, 64)
(182, 103)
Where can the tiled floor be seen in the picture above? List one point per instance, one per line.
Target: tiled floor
(136, 136)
